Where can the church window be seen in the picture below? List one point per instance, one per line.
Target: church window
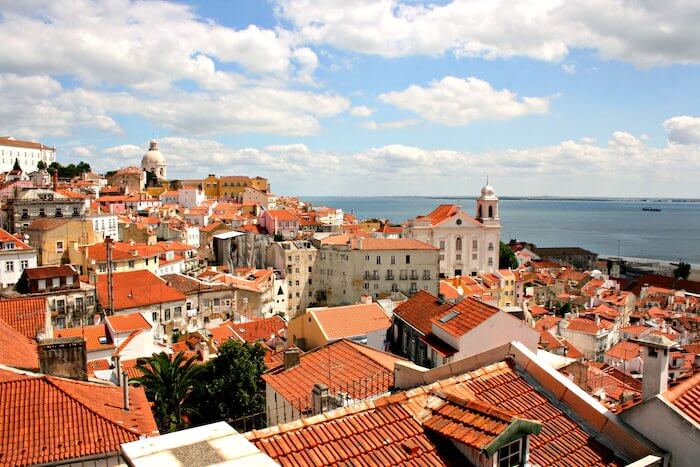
(458, 243)
(490, 211)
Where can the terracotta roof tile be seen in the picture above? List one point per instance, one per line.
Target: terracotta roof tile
(386, 435)
(47, 419)
(135, 289)
(128, 322)
(686, 397)
(352, 367)
(95, 336)
(16, 349)
(27, 315)
(464, 316)
(624, 350)
(351, 320)
(420, 309)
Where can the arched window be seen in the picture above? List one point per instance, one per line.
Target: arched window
(478, 212)
(162, 171)
(490, 211)
(458, 244)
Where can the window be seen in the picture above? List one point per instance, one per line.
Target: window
(408, 259)
(167, 314)
(59, 212)
(132, 264)
(490, 246)
(42, 212)
(442, 245)
(490, 211)
(69, 280)
(393, 259)
(475, 245)
(458, 244)
(24, 264)
(9, 266)
(178, 311)
(59, 246)
(510, 455)
(379, 260)
(474, 256)
(490, 261)
(8, 246)
(365, 286)
(154, 317)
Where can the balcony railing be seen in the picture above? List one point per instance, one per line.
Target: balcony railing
(414, 276)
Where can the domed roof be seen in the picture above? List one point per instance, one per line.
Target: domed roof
(487, 191)
(153, 156)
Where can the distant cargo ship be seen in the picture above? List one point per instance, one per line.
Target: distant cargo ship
(651, 209)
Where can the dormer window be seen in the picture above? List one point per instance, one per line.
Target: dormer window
(8, 246)
(511, 455)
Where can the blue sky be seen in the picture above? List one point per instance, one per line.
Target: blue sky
(367, 97)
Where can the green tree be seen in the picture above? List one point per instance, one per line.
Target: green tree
(171, 384)
(41, 165)
(233, 385)
(506, 257)
(16, 166)
(564, 309)
(682, 270)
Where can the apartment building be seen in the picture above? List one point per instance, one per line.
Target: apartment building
(38, 203)
(349, 267)
(295, 261)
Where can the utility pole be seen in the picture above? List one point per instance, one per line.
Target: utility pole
(110, 291)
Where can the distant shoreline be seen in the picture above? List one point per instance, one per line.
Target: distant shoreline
(520, 198)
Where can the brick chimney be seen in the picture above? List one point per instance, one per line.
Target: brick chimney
(319, 398)
(366, 299)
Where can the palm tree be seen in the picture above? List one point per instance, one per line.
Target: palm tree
(170, 384)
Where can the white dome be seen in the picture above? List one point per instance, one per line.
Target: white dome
(487, 191)
(153, 157)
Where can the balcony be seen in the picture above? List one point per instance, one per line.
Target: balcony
(403, 276)
(414, 275)
(426, 276)
(389, 276)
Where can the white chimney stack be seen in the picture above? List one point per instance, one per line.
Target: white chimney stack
(655, 372)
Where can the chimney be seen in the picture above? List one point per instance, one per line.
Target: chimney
(65, 357)
(204, 351)
(48, 325)
(655, 371)
(125, 390)
(366, 299)
(597, 319)
(292, 357)
(319, 398)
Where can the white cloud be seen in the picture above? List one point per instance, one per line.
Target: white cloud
(455, 101)
(307, 62)
(624, 166)
(391, 124)
(683, 129)
(569, 68)
(643, 33)
(361, 111)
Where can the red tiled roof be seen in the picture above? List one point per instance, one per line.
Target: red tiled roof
(5, 236)
(354, 368)
(92, 335)
(587, 326)
(351, 320)
(48, 419)
(625, 350)
(135, 289)
(444, 212)
(282, 215)
(97, 365)
(686, 397)
(128, 322)
(17, 350)
(18, 143)
(27, 315)
(259, 329)
(464, 316)
(420, 309)
(48, 272)
(386, 435)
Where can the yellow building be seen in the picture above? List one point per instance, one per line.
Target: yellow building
(210, 186)
(125, 257)
(53, 238)
(231, 186)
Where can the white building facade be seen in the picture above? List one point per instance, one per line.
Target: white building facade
(468, 245)
(28, 153)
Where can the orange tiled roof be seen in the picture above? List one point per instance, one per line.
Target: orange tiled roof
(444, 212)
(562, 440)
(259, 329)
(546, 323)
(92, 335)
(128, 322)
(48, 419)
(5, 236)
(282, 215)
(17, 350)
(351, 320)
(386, 435)
(625, 350)
(464, 316)
(350, 363)
(135, 289)
(27, 315)
(420, 309)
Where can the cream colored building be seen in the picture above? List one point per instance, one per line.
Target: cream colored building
(349, 267)
(295, 260)
(154, 161)
(468, 245)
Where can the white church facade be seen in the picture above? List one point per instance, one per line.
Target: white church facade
(468, 245)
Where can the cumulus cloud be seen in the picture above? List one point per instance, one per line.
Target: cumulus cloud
(456, 101)
(391, 124)
(643, 33)
(361, 111)
(683, 129)
(583, 167)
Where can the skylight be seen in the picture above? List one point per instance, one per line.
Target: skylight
(448, 316)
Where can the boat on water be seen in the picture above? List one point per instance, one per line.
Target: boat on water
(651, 209)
